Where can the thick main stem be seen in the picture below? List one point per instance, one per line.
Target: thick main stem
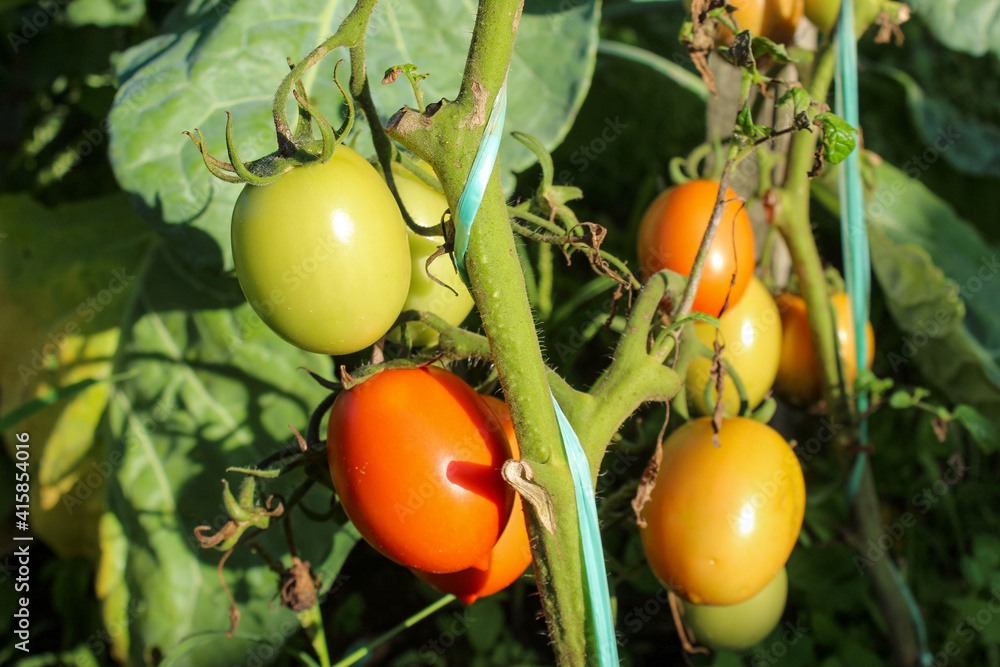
(795, 227)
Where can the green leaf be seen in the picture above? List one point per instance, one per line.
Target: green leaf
(968, 143)
(939, 279)
(978, 426)
(486, 622)
(231, 56)
(213, 387)
(963, 25)
(797, 98)
(105, 12)
(838, 137)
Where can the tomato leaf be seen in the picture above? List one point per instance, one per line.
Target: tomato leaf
(218, 55)
(797, 99)
(838, 137)
(980, 428)
(963, 25)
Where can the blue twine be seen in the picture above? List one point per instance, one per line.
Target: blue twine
(857, 269)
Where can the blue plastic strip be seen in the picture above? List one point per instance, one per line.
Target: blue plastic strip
(475, 187)
(854, 232)
(586, 504)
(590, 535)
(857, 266)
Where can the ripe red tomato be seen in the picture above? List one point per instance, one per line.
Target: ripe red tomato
(510, 556)
(800, 378)
(721, 521)
(671, 232)
(415, 457)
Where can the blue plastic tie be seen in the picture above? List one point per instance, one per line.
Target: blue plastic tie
(586, 505)
(475, 187)
(857, 268)
(590, 535)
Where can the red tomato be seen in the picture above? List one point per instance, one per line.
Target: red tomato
(671, 232)
(512, 553)
(415, 457)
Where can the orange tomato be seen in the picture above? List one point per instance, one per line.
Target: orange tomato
(722, 521)
(671, 232)
(510, 556)
(415, 457)
(799, 375)
(774, 19)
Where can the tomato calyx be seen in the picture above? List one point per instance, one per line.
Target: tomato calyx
(293, 151)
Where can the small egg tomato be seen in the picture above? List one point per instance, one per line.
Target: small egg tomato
(722, 521)
(415, 457)
(671, 232)
(510, 556)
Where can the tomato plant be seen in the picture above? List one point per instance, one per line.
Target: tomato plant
(415, 457)
(671, 232)
(512, 553)
(426, 207)
(799, 375)
(322, 255)
(739, 626)
(751, 333)
(721, 521)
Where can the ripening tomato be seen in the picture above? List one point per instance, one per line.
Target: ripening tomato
(739, 626)
(672, 229)
(751, 333)
(800, 378)
(721, 521)
(321, 254)
(415, 457)
(510, 556)
(774, 19)
(824, 13)
(426, 207)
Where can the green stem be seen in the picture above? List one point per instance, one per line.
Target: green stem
(381, 639)
(448, 137)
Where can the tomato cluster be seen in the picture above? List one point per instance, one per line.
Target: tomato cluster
(292, 239)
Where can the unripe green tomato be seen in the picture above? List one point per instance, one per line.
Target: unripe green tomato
(426, 207)
(322, 255)
(824, 13)
(737, 627)
(751, 333)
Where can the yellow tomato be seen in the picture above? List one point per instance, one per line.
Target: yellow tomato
(774, 19)
(751, 333)
(722, 521)
(799, 377)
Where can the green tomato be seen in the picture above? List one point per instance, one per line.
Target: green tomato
(824, 14)
(751, 332)
(426, 207)
(739, 626)
(322, 254)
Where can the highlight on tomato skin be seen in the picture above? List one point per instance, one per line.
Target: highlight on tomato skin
(722, 521)
(415, 458)
(671, 232)
(511, 555)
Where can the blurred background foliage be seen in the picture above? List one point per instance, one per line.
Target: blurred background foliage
(159, 377)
